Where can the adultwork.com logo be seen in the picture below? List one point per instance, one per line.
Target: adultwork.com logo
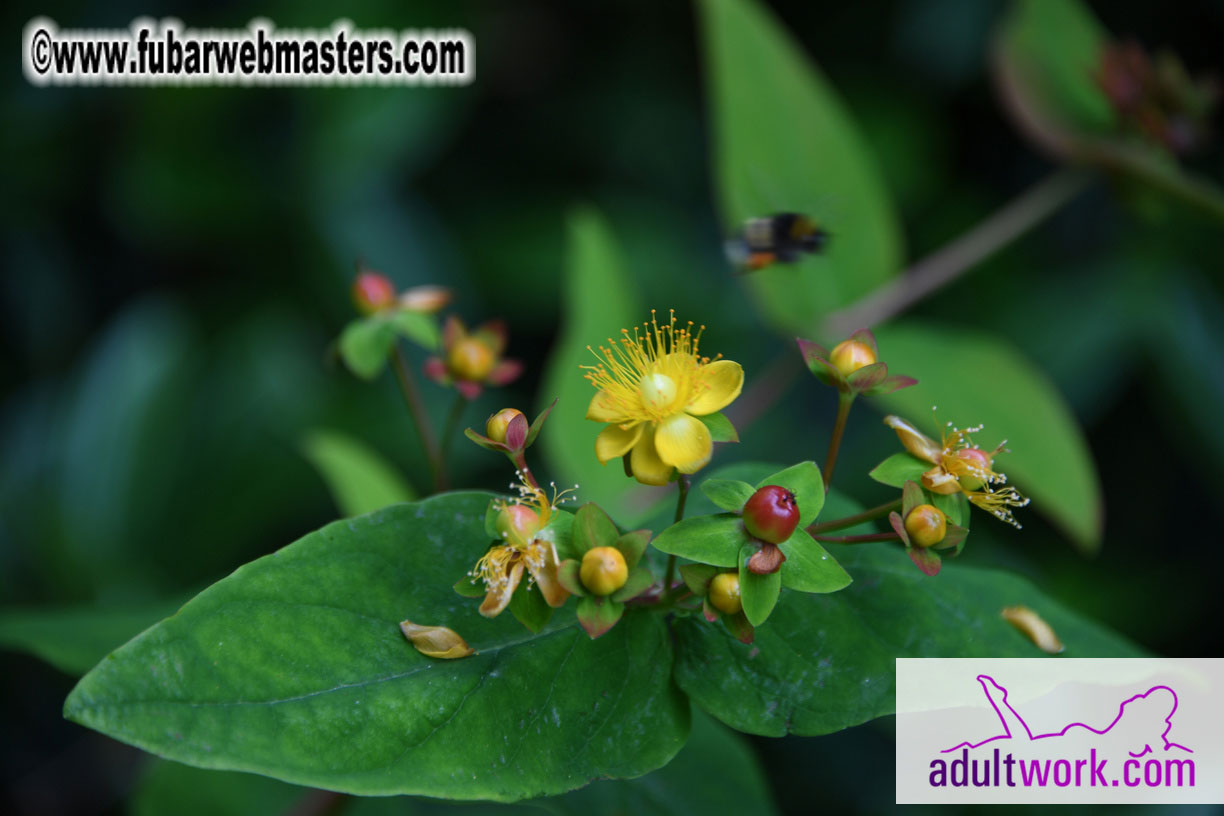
(1060, 731)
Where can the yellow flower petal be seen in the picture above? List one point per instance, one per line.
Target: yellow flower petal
(436, 641)
(602, 409)
(684, 442)
(498, 599)
(613, 441)
(915, 441)
(721, 382)
(645, 463)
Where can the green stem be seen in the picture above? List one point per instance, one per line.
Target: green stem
(416, 408)
(859, 539)
(682, 497)
(857, 518)
(1032, 207)
(452, 422)
(844, 401)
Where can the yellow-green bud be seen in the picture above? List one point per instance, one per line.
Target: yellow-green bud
(725, 593)
(470, 359)
(495, 428)
(926, 525)
(850, 355)
(517, 524)
(603, 570)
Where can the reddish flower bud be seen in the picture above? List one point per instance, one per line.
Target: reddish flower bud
(849, 356)
(724, 593)
(517, 524)
(372, 293)
(496, 427)
(926, 525)
(470, 360)
(771, 514)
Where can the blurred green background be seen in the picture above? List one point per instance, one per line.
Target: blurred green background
(177, 263)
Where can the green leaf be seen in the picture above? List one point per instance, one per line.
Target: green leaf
(809, 567)
(598, 615)
(420, 328)
(632, 545)
(783, 142)
(358, 477)
(954, 506)
(73, 639)
(758, 593)
(728, 494)
(975, 379)
(529, 607)
(712, 540)
(597, 301)
(721, 429)
(697, 577)
(900, 468)
(805, 482)
(365, 345)
(299, 652)
(823, 663)
(593, 528)
(639, 581)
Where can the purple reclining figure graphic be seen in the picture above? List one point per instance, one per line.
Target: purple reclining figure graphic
(1141, 726)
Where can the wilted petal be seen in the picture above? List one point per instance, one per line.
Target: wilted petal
(915, 441)
(938, 480)
(546, 579)
(436, 641)
(721, 382)
(684, 442)
(498, 599)
(428, 299)
(1032, 624)
(645, 463)
(614, 441)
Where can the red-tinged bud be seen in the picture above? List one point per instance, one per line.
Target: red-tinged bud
(517, 524)
(496, 427)
(849, 356)
(470, 360)
(724, 593)
(771, 514)
(978, 469)
(603, 570)
(373, 292)
(926, 525)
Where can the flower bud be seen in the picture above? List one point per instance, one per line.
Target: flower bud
(496, 427)
(724, 593)
(771, 514)
(517, 524)
(850, 355)
(372, 293)
(427, 299)
(979, 465)
(603, 570)
(926, 525)
(470, 359)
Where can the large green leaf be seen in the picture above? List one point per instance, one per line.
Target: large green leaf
(784, 142)
(715, 772)
(294, 667)
(597, 302)
(977, 379)
(358, 477)
(74, 639)
(822, 663)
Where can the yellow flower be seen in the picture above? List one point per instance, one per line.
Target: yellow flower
(960, 466)
(528, 545)
(652, 386)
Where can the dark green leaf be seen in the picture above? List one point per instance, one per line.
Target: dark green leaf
(721, 429)
(598, 615)
(707, 539)
(529, 607)
(976, 379)
(758, 593)
(300, 653)
(593, 528)
(826, 662)
(639, 581)
(808, 567)
(900, 468)
(954, 506)
(365, 345)
(632, 545)
(805, 482)
(728, 494)
(359, 478)
(697, 577)
(784, 143)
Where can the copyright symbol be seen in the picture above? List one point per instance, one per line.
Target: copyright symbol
(40, 51)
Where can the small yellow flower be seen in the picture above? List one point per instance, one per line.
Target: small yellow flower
(528, 545)
(652, 386)
(961, 466)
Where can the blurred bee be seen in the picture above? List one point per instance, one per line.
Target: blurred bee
(780, 238)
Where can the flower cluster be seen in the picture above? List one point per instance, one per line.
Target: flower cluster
(472, 360)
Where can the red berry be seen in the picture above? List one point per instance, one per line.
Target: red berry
(771, 514)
